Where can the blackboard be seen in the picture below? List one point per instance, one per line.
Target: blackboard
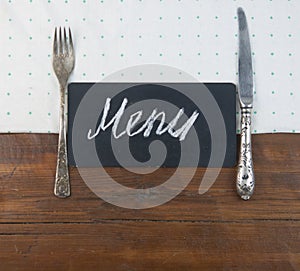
(86, 102)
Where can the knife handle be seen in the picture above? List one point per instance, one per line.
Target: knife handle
(245, 176)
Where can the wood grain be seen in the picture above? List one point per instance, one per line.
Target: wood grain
(213, 231)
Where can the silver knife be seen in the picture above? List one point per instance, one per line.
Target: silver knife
(245, 176)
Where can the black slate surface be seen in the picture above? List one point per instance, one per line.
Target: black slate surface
(223, 93)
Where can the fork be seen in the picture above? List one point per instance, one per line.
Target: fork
(63, 65)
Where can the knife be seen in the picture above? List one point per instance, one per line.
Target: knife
(245, 176)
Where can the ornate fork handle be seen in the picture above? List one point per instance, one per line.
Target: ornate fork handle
(62, 182)
(245, 178)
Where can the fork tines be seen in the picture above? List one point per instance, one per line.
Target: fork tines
(62, 45)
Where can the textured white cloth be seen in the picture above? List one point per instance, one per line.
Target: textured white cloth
(198, 37)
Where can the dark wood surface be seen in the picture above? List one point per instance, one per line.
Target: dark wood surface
(214, 231)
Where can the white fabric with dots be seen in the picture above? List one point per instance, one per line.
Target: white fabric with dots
(196, 36)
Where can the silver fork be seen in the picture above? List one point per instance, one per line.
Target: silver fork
(63, 65)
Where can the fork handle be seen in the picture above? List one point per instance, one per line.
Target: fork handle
(245, 177)
(62, 181)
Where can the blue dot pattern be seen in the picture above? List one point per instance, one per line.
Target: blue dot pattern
(195, 36)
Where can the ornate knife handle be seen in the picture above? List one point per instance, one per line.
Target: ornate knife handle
(245, 178)
(62, 182)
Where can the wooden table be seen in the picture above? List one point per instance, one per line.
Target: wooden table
(214, 231)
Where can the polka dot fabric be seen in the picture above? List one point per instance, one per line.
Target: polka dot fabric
(196, 36)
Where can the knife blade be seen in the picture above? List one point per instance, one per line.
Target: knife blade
(245, 62)
(245, 182)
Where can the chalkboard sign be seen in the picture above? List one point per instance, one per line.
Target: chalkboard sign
(151, 124)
